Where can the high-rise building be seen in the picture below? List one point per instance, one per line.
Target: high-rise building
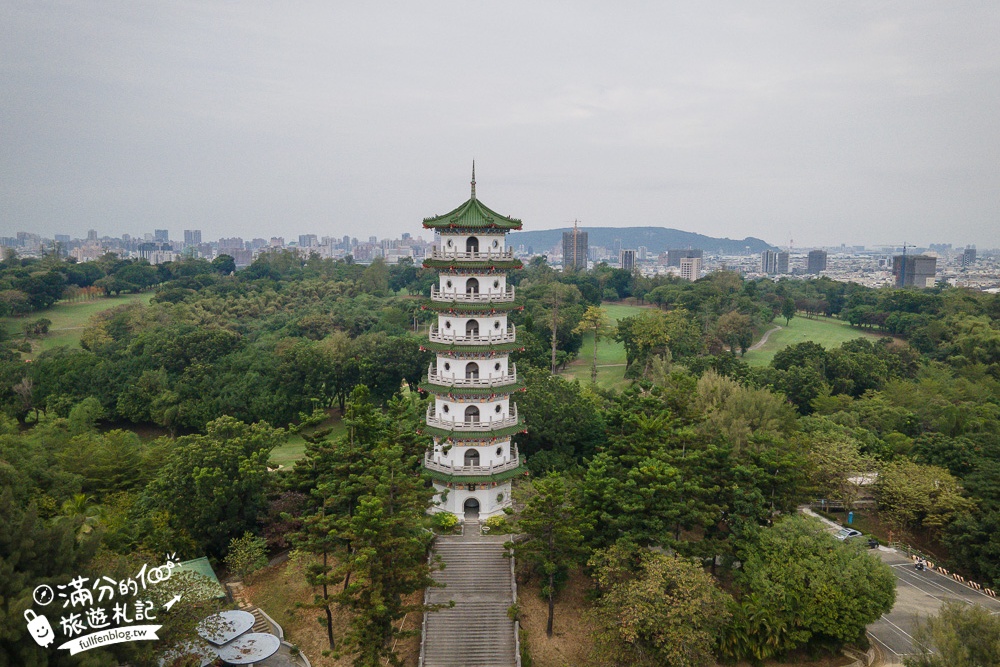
(782, 263)
(307, 240)
(969, 256)
(914, 270)
(91, 234)
(769, 262)
(690, 268)
(472, 416)
(161, 236)
(675, 256)
(626, 259)
(575, 247)
(192, 236)
(816, 262)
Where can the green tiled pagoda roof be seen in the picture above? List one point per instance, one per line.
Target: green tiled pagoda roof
(473, 435)
(446, 389)
(432, 346)
(469, 265)
(473, 214)
(487, 308)
(476, 479)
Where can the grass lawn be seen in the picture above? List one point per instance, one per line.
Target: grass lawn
(68, 320)
(826, 331)
(610, 353)
(295, 447)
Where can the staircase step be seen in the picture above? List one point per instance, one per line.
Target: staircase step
(476, 632)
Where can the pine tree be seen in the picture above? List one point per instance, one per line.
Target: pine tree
(388, 554)
(552, 533)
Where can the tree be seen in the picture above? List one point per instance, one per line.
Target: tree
(224, 264)
(552, 537)
(788, 309)
(838, 464)
(558, 295)
(214, 486)
(565, 424)
(656, 609)
(246, 554)
(735, 330)
(911, 495)
(388, 553)
(799, 585)
(960, 635)
(594, 320)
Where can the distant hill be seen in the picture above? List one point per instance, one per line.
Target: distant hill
(656, 239)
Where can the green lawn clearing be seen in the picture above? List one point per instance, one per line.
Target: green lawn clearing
(68, 320)
(826, 331)
(610, 353)
(295, 447)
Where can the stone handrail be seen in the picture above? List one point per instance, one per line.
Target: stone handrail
(471, 425)
(441, 253)
(513, 597)
(437, 294)
(508, 336)
(457, 381)
(472, 470)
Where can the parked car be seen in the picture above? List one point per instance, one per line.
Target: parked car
(847, 533)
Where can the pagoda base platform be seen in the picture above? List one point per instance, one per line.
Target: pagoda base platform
(484, 502)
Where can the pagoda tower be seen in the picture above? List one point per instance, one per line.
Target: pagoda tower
(472, 380)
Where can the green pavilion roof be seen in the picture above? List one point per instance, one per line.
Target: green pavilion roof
(466, 308)
(476, 479)
(473, 214)
(480, 350)
(505, 432)
(477, 266)
(454, 390)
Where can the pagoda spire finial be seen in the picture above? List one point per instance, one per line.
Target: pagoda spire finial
(473, 179)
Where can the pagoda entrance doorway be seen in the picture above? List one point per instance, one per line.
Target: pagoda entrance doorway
(472, 245)
(472, 286)
(472, 458)
(471, 509)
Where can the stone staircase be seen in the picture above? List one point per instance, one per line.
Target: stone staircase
(476, 632)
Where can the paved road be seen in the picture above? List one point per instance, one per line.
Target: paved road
(918, 595)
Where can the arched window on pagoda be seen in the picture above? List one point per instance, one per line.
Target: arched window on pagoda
(472, 245)
(472, 328)
(472, 414)
(471, 458)
(472, 286)
(472, 371)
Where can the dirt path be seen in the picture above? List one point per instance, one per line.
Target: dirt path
(767, 334)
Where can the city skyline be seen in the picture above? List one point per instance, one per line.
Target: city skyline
(823, 125)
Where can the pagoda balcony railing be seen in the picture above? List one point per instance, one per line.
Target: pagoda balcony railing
(452, 380)
(484, 338)
(499, 296)
(493, 469)
(477, 256)
(486, 423)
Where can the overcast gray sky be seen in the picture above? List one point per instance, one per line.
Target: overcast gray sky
(822, 122)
